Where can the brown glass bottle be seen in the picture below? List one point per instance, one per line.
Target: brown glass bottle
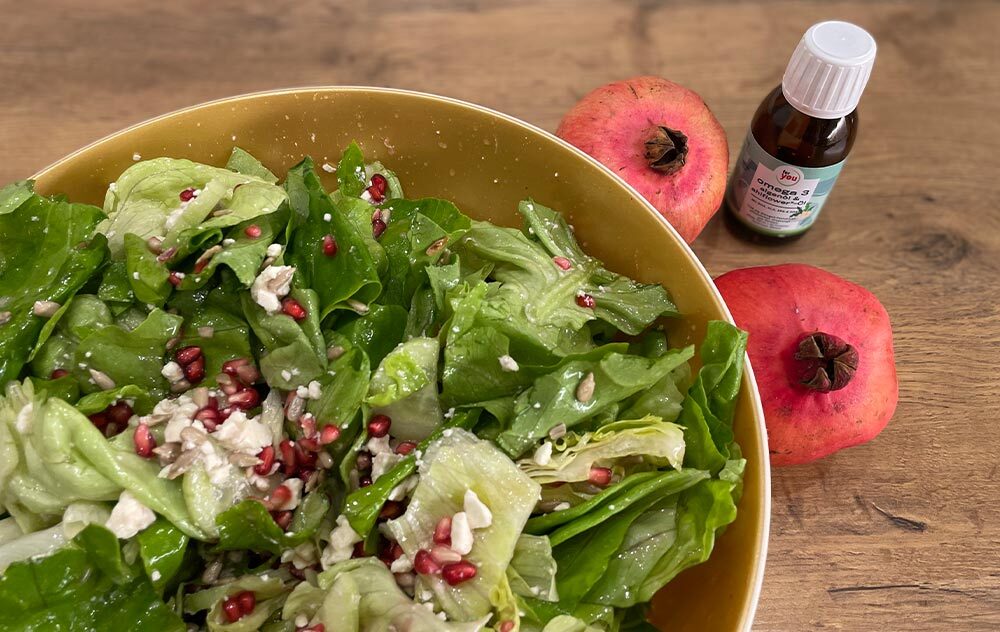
(798, 139)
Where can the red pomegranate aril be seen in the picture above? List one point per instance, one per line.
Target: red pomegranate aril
(329, 434)
(231, 367)
(175, 279)
(195, 371)
(506, 626)
(248, 373)
(445, 555)
(600, 476)
(228, 385)
(119, 413)
(424, 564)
(319, 627)
(187, 195)
(379, 183)
(390, 552)
(144, 441)
(244, 399)
(364, 481)
(281, 495)
(187, 355)
(378, 426)
(308, 424)
(287, 456)
(378, 227)
(231, 608)
(293, 308)
(167, 254)
(359, 550)
(247, 600)
(306, 459)
(100, 420)
(329, 246)
(562, 263)
(391, 509)
(458, 572)
(58, 373)
(586, 301)
(252, 231)
(442, 532)
(282, 518)
(309, 445)
(406, 447)
(266, 457)
(209, 417)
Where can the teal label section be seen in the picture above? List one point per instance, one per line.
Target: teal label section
(774, 197)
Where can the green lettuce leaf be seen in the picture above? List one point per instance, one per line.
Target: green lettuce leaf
(532, 570)
(404, 387)
(241, 161)
(377, 332)
(248, 525)
(162, 547)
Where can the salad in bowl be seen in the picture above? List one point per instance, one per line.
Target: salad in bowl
(233, 401)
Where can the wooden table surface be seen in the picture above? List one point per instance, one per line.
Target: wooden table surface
(900, 534)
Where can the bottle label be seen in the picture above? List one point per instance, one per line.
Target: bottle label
(774, 197)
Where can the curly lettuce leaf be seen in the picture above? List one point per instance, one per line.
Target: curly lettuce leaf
(162, 548)
(248, 525)
(292, 356)
(49, 253)
(376, 333)
(454, 464)
(532, 570)
(404, 387)
(88, 585)
(241, 161)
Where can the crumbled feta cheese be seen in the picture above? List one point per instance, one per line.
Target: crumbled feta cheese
(561, 506)
(401, 564)
(311, 391)
(341, 546)
(286, 375)
(543, 455)
(23, 421)
(216, 466)
(174, 217)
(508, 364)
(271, 285)
(301, 620)
(295, 486)
(274, 250)
(303, 556)
(129, 516)
(243, 434)
(478, 514)
(155, 576)
(228, 241)
(327, 167)
(327, 217)
(136, 156)
(172, 372)
(382, 463)
(135, 275)
(461, 534)
(178, 414)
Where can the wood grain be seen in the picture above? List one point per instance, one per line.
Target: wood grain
(900, 534)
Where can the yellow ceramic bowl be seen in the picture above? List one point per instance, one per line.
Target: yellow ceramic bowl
(485, 162)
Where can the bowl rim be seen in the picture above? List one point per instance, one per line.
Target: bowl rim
(754, 394)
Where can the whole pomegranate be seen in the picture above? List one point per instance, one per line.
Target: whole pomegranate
(661, 138)
(821, 350)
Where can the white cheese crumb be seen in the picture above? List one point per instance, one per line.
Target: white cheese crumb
(543, 455)
(286, 375)
(228, 241)
(155, 576)
(23, 421)
(177, 413)
(129, 517)
(136, 156)
(508, 363)
(327, 167)
(478, 514)
(271, 285)
(274, 250)
(135, 275)
(341, 546)
(461, 534)
(327, 217)
(172, 372)
(561, 506)
(242, 434)
(401, 564)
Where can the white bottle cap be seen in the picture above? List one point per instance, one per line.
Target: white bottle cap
(829, 69)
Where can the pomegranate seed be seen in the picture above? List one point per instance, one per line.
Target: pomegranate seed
(230, 367)
(378, 426)
(58, 373)
(244, 399)
(187, 355)
(144, 441)
(209, 417)
(378, 227)
(329, 246)
(175, 279)
(444, 555)
(585, 300)
(231, 608)
(248, 373)
(379, 183)
(247, 600)
(293, 308)
(282, 518)
(252, 231)
(228, 385)
(600, 476)
(308, 424)
(319, 627)
(562, 263)
(390, 552)
(287, 456)
(424, 564)
(506, 626)
(329, 434)
(364, 461)
(406, 447)
(167, 254)
(391, 509)
(195, 371)
(224, 414)
(364, 481)
(187, 195)
(458, 572)
(359, 550)
(119, 413)
(100, 420)
(266, 457)
(281, 495)
(305, 458)
(442, 532)
(309, 445)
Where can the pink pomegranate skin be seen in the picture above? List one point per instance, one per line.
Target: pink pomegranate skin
(613, 123)
(780, 306)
